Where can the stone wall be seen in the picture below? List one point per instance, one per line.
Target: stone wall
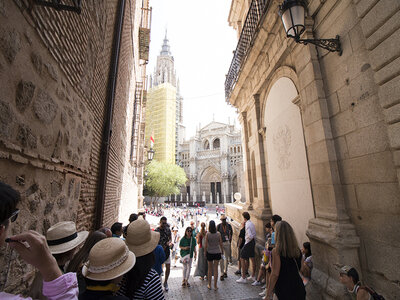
(349, 108)
(54, 69)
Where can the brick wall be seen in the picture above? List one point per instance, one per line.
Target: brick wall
(54, 70)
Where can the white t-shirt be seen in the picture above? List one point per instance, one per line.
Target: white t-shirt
(250, 232)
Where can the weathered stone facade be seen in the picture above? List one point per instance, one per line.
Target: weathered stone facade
(213, 163)
(326, 126)
(54, 69)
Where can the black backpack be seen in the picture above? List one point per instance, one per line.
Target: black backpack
(372, 292)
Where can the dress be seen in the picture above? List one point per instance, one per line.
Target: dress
(202, 266)
(289, 285)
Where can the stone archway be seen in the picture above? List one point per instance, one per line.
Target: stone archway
(210, 184)
(287, 168)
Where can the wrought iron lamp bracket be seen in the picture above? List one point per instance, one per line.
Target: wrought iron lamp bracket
(332, 45)
(58, 5)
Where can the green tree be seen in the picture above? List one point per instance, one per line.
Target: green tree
(163, 179)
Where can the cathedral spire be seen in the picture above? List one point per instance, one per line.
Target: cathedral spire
(165, 50)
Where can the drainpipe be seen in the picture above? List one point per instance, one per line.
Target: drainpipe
(112, 81)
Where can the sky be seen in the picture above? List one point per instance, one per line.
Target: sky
(202, 44)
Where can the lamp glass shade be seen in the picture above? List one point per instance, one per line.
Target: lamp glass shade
(150, 154)
(293, 20)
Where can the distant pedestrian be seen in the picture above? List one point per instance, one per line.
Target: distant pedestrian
(225, 229)
(188, 249)
(132, 217)
(175, 242)
(165, 242)
(240, 245)
(247, 254)
(285, 280)
(274, 220)
(202, 267)
(307, 264)
(214, 249)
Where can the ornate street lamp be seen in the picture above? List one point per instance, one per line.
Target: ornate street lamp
(150, 154)
(292, 13)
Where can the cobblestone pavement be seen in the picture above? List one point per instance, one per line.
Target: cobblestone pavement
(227, 289)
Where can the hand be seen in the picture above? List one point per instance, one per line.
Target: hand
(37, 254)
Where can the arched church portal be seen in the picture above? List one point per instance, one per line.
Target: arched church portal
(287, 168)
(210, 184)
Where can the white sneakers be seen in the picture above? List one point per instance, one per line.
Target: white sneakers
(241, 280)
(251, 278)
(262, 294)
(256, 283)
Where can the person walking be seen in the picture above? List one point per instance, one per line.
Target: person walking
(240, 245)
(247, 252)
(214, 249)
(188, 248)
(285, 280)
(225, 229)
(175, 243)
(166, 243)
(201, 269)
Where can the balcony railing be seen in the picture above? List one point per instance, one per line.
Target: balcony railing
(250, 28)
(144, 34)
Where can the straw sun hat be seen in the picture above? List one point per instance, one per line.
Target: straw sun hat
(140, 239)
(109, 258)
(63, 237)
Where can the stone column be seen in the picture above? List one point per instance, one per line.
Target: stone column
(217, 198)
(224, 198)
(204, 197)
(246, 158)
(194, 197)
(331, 233)
(211, 198)
(232, 197)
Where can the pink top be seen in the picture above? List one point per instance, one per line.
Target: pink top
(64, 287)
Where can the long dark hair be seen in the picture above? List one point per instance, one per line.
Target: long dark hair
(191, 230)
(307, 246)
(83, 254)
(211, 227)
(136, 276)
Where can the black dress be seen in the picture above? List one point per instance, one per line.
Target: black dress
(289, 285)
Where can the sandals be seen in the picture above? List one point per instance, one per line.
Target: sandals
(184, 283)
(209, 287)
(187, 284)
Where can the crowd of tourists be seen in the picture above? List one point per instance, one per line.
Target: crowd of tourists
(126, 262)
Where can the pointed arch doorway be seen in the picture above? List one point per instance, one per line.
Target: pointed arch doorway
(289, 179)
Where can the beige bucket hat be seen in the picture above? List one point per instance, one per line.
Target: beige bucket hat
(140, 239)
(223, 217)
(108, 259)
(63, 237)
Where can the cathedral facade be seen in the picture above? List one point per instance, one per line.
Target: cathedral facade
(213, 163)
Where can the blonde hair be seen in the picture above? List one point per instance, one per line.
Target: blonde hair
(285, 240)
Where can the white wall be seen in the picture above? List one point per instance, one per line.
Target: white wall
(287, 162)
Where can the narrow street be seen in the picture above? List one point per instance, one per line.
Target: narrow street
(227, 289)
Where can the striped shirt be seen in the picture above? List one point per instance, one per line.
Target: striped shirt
(151, 288)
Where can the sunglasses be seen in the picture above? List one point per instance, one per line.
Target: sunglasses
(14, 215)
(189, 230)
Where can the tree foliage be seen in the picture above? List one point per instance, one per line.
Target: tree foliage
(163, 179)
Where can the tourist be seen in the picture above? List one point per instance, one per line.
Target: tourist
(225, 229)
(285, 280)
(56, 286)
(159, 257)
(75, 265)
(194, 229)
(106, 231)
(165, 242)
(175, 243)
(63, 241)
(142, 281)
(116, 229)
(247, 252)
(132, 217)
(307, 263)
(214, 251)
(109, 260)
(349, 277)
(188, 248)
(240, 245)
(265, 257)
(201, 269)
(274, 220)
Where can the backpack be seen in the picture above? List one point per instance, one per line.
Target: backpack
(372, 292)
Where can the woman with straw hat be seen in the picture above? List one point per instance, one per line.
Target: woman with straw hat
(109, 260)
(142, 282)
